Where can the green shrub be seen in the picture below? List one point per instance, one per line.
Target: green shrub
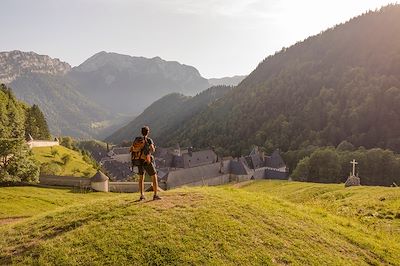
(50, 169)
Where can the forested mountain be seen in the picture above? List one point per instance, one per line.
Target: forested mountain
(167, 114)
(227, 81)
(127, 84)
(67, 110)
(342, 84)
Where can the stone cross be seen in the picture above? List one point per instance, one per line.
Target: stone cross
(354, 166)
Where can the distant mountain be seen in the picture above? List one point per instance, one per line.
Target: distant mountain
(15, 64)
(127, 84)
(342, 84)
(227, 81)
(166, 114)
(100, 95)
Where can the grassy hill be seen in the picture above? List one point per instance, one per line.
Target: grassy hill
(254, 223)
(52, 156)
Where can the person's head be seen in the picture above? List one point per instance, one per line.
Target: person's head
(145, 131)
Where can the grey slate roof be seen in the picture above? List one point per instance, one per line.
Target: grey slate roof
(194, 174)
(99, 177)
(275, 160)
(238, 167)
(198, 158)
(121, 150)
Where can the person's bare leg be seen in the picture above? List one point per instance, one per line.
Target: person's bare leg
(155, 184)
(141, 185)
(155, 187)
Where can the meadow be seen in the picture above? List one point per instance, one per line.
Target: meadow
(252, 223)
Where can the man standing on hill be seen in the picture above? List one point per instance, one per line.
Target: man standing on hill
(143, 159)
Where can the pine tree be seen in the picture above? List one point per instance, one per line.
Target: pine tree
(36, 124)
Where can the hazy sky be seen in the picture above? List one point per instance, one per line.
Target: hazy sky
(218, 37)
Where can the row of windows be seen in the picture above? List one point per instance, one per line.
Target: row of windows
(198, 159)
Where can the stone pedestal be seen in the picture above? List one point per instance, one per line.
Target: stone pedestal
(352, 181)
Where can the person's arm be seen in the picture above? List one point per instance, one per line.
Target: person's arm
(152, 147)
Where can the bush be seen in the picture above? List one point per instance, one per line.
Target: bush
(18, 164)
(50, 169)
(54, 152)
(66, 158)
(345, 146)
(87, 173)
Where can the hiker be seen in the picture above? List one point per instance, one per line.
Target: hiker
(141, 152)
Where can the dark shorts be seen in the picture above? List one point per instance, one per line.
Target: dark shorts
(148, 167)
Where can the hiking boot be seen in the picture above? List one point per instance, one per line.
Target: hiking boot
(142, 198)
(156, 197)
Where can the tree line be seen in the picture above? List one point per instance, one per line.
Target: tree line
(18, 121)
(329, 165)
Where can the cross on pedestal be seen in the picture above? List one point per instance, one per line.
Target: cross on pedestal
(354, 166)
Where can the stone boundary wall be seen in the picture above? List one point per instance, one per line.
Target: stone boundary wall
(239, 178)
(82, 182)
(42, 143)
(274, 174)
(126, 187)
(213, 181)
(65, 181)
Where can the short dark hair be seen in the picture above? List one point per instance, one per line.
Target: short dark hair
(145, 130)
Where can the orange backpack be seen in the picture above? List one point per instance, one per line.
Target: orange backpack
(138, 154)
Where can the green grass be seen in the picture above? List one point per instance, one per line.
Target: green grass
(16, 202)
(375, 207)
(44, 155)
(260, 223)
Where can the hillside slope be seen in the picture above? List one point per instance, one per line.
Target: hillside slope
(67, 111)
(342, 84)
(168, 113)
(208, 225)
(77, 164)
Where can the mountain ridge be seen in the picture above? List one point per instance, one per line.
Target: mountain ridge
(14, 64)
(167, 113)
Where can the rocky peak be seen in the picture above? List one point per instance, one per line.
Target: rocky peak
(16, 63)
(138, 65)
